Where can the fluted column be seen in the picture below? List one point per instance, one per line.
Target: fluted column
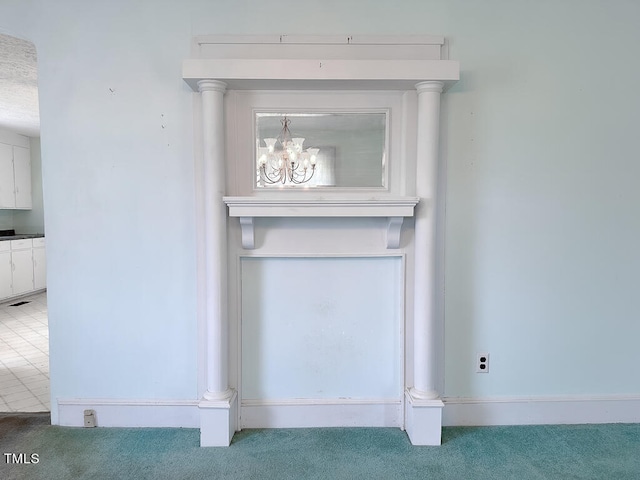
(424, 352)
(215, 231)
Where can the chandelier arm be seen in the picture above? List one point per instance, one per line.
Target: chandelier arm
(291, 170)
(304, 176)
(293, 175)
(271, 180)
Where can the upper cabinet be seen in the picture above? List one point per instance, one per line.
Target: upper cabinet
(7, 182)
(15, 173)
(22, 176)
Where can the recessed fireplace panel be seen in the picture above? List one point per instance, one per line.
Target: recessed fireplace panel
(322, 328)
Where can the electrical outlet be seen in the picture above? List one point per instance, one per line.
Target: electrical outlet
(90, 418)
(482, 363)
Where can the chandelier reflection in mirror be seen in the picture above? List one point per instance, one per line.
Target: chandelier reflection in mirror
(284, 160)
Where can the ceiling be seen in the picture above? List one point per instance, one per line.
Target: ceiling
(19, 87)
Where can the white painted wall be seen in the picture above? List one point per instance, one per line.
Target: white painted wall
(538, 136)
(6, 219)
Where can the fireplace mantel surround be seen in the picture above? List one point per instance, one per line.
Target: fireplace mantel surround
(232, 74)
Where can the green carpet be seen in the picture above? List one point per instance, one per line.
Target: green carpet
(521, 452)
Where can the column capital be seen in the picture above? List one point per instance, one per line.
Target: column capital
(430, 86)
(212, 85)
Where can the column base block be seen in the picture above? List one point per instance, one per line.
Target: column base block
(423, 420)
(218, 421)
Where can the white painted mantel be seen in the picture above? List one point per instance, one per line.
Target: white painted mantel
(248, 208)
(227, 69)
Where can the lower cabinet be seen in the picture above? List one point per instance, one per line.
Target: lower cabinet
(39, 265)
(22, 271)
(6, 266)
(22, 267)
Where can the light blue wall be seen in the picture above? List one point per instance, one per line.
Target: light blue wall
(540, 144)
(6, 219)
(542, 199)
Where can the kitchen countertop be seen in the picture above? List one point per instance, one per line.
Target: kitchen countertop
(21, 237)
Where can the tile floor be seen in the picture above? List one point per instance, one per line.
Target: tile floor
(24, 355)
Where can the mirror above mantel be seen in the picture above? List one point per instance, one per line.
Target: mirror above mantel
(322, 150)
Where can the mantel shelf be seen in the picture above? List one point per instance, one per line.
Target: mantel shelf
(320, 207)
(248, 208)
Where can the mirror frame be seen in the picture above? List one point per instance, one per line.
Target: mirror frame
(385, 180)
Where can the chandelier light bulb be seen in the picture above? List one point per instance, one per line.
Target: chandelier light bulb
(313, 155)
(298, 144)
(271, 144)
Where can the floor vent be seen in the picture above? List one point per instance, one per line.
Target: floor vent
(18, 304)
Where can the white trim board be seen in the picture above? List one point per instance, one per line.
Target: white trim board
(321, 413)
(255, 414)
(457, 412)
(278, 39)
(556, 410)
(130, 413)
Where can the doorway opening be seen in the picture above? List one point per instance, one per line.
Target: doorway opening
(24, 330)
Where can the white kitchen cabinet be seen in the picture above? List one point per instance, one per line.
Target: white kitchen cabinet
(23, 267)
(6, 289)
(39, 264)
(22, 177)
(22, 260)
(15, 177)
(7, 181)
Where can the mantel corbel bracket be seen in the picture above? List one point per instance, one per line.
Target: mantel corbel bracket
(248, 236)
(394, 227)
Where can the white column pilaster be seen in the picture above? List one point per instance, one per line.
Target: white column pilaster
(218, 403)
(424, 407)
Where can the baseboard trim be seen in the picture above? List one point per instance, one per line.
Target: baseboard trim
(17, 298)
(321, 413)
(334, 413)
(130, 413)
(564, 410)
